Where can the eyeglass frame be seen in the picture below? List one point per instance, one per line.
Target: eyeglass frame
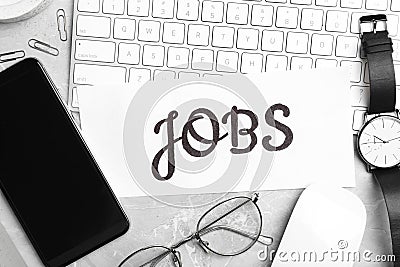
(197, 235)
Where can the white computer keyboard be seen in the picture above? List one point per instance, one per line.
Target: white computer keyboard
(134, 41)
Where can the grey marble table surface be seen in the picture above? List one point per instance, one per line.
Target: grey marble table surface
(153, 222)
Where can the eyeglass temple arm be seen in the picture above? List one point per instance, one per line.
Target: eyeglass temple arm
(153, 261)
(237, 231)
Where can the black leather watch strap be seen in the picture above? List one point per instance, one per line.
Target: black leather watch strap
(378, 48)
(389, 180)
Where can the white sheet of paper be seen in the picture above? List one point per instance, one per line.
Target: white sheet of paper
(320, 119)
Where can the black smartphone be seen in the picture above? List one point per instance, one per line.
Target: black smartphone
(48, 175)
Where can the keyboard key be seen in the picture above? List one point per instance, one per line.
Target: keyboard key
(321, 44)
(89, 5)
(301, 2)
(116, 7)
(213, 11)
(397, 95)
(178, 57)
(276, 1)
(202, 59)
(227, 61)
(251, 63)
(97, 51)
(358, 119)
(397, 73)
(188, 10)
(139, 76)
(355, 69)
(138, 8)
(276, 63)
(128, 53)
(286, 17)
(395, 5)
(164, 75)
(92, 26)
(75, 101)
(360, 96)
(153, 55)
(149, 31)
(336, 21)
(222, 36)
(174, 33)
(346, 46)
(272, 41)
(212, 75)
(396, 50)
(124, 29)
(351, 3)
(392, 24)
(381, 5)
(95, 74)
(163, 9)
(362, 52)
(311, 19)
(237, 13)
(331, 3)
(247, 39)
(297, 42)
(366, 74)
(188, 75)
(261, 15)
(355, 22)
(198, 34)
(322, 63)
(301, 63)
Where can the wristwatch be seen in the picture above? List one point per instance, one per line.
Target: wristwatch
(378, 140)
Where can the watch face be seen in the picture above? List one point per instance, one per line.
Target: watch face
(379, 142)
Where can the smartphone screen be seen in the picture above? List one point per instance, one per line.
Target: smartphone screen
(48, 175)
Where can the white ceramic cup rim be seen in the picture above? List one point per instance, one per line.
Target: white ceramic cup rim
(19, 10)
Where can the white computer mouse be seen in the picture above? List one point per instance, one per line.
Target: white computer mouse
(325, 229)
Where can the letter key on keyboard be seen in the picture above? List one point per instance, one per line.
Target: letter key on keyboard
(124, 29)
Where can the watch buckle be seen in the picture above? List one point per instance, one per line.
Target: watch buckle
(373, 24)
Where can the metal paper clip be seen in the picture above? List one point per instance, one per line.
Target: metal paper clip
(10, 56)
(61, 22)
(43, 47)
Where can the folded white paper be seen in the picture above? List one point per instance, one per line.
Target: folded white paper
(312, 133)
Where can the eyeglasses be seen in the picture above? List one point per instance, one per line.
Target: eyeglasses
(227, 229)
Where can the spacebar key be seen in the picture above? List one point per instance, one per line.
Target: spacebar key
(95, 74)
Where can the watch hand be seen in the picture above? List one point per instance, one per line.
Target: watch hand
(373, 142)
(380, 139)
(394, 139)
